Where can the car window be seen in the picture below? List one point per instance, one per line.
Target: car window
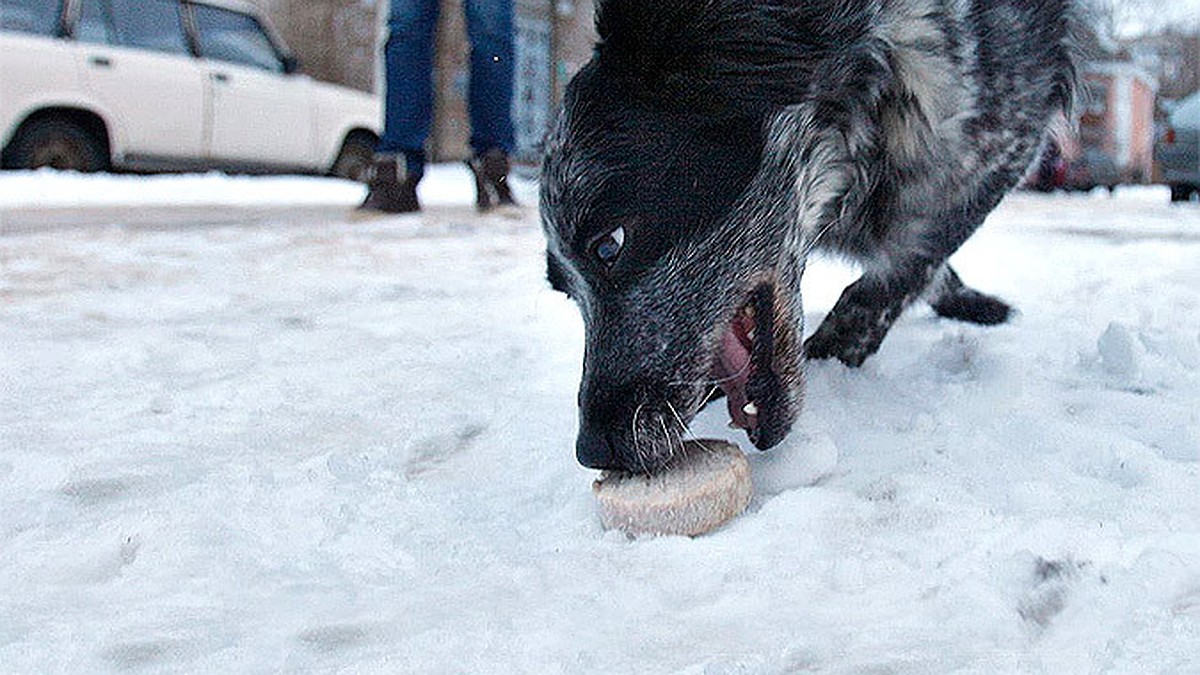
(144, 24)
(39, 17)
(232, 36)
(94, 23)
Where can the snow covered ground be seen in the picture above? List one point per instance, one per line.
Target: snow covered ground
(348, 447)
(49, 189)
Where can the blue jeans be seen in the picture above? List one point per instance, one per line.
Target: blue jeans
(408, 61)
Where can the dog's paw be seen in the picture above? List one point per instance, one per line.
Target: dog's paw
(834, 340)
(973, 307)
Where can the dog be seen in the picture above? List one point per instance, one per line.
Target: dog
(710, 145)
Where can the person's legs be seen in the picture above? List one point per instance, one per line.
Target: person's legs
(490, 31)
(408, 109)
(408, 62)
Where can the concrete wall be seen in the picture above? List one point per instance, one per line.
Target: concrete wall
(575, 35)
(1142, 133)
(335, 39)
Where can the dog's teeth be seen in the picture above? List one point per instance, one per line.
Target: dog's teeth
(751, 334)
(750, 408)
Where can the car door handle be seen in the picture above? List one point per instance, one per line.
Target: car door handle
(220, 77)
(101, 61)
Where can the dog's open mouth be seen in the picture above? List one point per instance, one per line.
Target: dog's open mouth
(743, 367)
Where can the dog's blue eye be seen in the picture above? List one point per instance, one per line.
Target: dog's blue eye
(608, 247)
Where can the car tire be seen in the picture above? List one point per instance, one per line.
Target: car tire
(57, 143)
(1182, 192)
(355, 158)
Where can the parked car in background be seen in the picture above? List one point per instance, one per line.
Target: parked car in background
(1178, 151)
(171, 85)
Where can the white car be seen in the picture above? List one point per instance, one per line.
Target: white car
(171, 85)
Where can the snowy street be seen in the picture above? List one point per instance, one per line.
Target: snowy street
(240, 434)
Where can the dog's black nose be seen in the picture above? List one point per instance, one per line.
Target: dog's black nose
(594, 451)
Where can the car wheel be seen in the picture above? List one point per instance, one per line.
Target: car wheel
(355, 158)
(1181, 192)
(58, 144)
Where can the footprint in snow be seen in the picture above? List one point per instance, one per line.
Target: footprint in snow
(429, 453)
(142, 654)
(1051, 585)
(334, 637)
(95, 491)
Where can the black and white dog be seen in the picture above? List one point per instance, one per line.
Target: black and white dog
(709, 145)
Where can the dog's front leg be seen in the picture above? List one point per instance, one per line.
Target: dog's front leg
(915, 257)
(866, 311)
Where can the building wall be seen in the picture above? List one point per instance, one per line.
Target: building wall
(575, 34)
(451, 128)
(1142, 145)
(1172, 57)
(335, 39)
(1118, 119)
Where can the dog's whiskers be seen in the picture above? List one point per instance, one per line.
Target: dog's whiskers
(637, 445)
(641, 450)
(667, 438)
(682, 427)
(679, 441)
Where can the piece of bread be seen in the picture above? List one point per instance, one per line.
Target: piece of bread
(698, 492)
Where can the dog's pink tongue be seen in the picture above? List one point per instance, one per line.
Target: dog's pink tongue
(733, 371)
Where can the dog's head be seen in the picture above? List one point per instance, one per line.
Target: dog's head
(668, 201)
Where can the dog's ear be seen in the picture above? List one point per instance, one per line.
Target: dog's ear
(738, 58)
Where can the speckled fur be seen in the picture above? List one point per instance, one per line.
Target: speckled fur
(731, 137)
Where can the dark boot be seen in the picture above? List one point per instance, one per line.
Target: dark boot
(390, 190)
(491, 180)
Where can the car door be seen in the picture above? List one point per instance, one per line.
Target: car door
(261, 114)
(37, 66)
(136, 61)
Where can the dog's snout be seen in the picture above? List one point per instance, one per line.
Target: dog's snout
(594, 450)
(605, 412)
(634, 435)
